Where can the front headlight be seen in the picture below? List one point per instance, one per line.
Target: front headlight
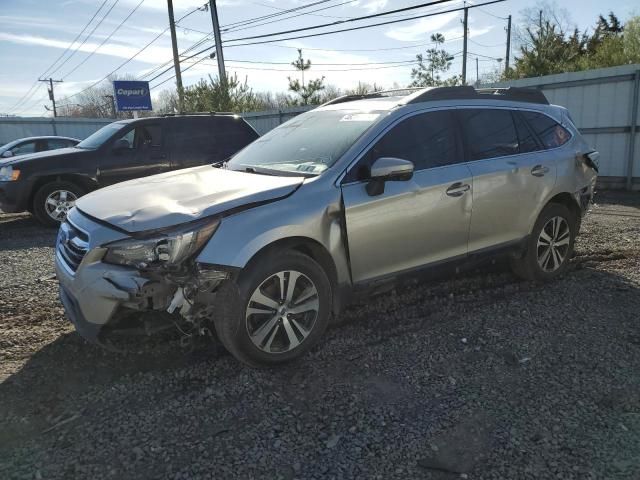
(170, 247)
(9, 174)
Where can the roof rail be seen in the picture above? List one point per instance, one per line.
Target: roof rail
(516, 94)
(377, 94)
(195, 113)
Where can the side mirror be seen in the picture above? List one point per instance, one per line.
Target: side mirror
(387, 169)
(120, 145)
(7, 154)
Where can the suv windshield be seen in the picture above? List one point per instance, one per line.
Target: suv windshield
(95, 140)
(308, 144)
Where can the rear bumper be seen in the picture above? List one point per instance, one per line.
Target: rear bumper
(14, 196)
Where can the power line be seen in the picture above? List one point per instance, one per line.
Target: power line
(358, 27)
(29, 93)
(105, 40)
(288, 18)
(130, 58)
(85, 38)
(74, 40)
(272, 15)
(339, 22)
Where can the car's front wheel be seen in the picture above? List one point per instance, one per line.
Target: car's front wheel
(280, 311)
(550, 245)
(52, 202)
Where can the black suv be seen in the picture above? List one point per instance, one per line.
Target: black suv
(48, 183)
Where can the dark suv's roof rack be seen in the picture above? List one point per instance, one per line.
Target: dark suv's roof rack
(516, 94)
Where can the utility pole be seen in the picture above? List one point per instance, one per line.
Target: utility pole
(113, 105)
(218, 40)
(52, 96)
(477, 74)
(176, 57)
(464, 47)
(506, 58)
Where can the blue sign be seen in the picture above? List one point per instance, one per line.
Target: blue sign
(132, 95)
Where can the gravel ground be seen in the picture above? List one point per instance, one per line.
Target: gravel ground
(476, 376)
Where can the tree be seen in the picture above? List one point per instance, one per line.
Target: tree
(429, 71)
(96, 102)
(308, 93)
(232, 95)
(363, 88)
(548, 45)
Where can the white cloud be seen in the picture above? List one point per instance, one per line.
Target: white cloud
(153, 54)
(422, 28)
(373, 6)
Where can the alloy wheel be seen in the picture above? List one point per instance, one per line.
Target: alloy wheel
(282, 312)
(553, 244)
(58, 204)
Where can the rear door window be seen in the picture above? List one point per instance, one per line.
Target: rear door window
(550, 132)
(488, 133)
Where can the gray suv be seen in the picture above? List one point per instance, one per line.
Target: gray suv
(264, 248)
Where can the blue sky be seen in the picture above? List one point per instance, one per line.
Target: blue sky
(34, 33)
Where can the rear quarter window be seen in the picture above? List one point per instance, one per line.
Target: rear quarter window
(550, 132)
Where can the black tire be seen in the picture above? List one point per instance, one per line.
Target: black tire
(527, 266)
(38, 207)
(231, 321)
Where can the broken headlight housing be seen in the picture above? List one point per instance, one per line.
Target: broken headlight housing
(168, 247)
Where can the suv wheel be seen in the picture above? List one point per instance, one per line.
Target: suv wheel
(550, 245)
(53, 200)
(282, 310)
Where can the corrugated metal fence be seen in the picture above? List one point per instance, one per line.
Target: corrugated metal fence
(604, 106)
(12, 128)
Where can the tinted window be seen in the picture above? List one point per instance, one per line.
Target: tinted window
(98, 138)
(23, 148)
(142, 136)
(428, 140)
(235, 133)
(528, 142)
(56, 143)
(189, 133)
(550, 132)
(489, 133)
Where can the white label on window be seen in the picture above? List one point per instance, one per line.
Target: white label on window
(360, 117)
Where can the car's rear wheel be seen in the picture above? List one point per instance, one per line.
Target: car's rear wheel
(280, 311)
(550, 245)
(53, 201)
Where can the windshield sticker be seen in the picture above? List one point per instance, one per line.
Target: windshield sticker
(360, 117)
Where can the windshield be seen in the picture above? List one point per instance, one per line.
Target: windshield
(96, 140)
(309, 143)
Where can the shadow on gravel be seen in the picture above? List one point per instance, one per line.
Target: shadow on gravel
(22, 232)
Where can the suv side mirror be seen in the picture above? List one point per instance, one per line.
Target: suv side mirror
(7, 154)
(387, 169)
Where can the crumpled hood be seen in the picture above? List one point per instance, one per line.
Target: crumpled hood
(181, 196)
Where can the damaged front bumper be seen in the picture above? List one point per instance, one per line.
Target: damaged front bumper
(98, 296)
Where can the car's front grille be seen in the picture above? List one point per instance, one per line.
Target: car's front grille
(72, 245)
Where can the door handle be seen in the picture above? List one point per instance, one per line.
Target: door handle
(457, 189)
(539, 171)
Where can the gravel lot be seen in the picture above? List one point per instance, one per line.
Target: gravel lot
(475, 376)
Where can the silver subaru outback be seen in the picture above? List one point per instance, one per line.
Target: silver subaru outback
(264, 248)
